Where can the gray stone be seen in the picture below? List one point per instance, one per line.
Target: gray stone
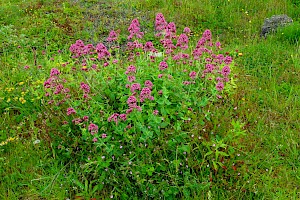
(271, 24)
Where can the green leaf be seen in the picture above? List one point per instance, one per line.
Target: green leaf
(78, 184)
(223, 153)
(150, 171)
(215, 165)
(184, 148)
(208, 153)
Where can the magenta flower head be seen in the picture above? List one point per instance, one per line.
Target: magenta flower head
(54, 72)
(148, 84)
(171, 29)
(220, 86)
(85, 118)
(218, 44)
(93, 128)
(183, 41)
(207, 35)
(149, 47)
(102, 51)
(123, 117)
(163, 65)
(113, 36)
(131, 100)
(193, 75)
(225, 70)
(209, 67)
(130, 69)
(160, 22)
(95, 140)
(187, 30)
(155, 112)
(131, 78)
(113, 117)
(228, 60)
(85, 87)
(134, 30)
(135, 86)
(103, 135)
(71, 111)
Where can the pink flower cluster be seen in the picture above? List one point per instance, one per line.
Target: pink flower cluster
(79, 49)
(54, 72)
(146, 94)
(113, 36)
(134, 45)
(193, 75)
(170, 31)
(160, 22)
(132, 104)
(55, 84)
(148, 47)
(134, 87)
(183, 41)
(115, 117)
(93, 128)
(85, 87)
(131, 70)
(134, 30)
(102, 51)
(71, 111)
(163, 65)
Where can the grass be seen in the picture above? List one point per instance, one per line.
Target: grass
(262, 163)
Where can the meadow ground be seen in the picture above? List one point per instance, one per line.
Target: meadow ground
(79, 123)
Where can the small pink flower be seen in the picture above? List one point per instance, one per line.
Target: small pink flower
(103, 135)
(85, 118)
(225, 70)
(113, 117)
(148, 84)
(220, 86)
(163, 65)
(130, 69)
(227, 60)
(123, 117)
(71, 111)
(131, 78)
(155, 112)
(77, 121)
(186, 82)
(54, 72)
(93, 128)
(94, 66)
(160, 75)
(26, 67)
(187, 30)
(95, 140)
(113, 36)
(135, 86)
(105, 64)
(85, 87)
(193, 75)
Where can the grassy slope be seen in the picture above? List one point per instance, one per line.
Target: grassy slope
(268, 83)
